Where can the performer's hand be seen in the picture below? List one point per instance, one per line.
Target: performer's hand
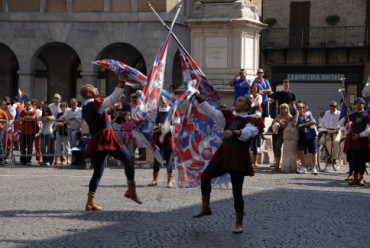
(226, 134)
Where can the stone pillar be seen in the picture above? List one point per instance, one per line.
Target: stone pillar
(26, 80)
(290, 136)
(225, 38)
(89, 77)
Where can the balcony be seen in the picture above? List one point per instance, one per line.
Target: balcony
(316, 37)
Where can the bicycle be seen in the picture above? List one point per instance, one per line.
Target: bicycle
(324, 154)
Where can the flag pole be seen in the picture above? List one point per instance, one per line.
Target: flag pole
(168, 28)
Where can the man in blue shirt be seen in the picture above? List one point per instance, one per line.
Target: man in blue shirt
(240, 83)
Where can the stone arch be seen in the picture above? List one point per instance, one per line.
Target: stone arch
(123, 52)
(56, 68)
(9, 67)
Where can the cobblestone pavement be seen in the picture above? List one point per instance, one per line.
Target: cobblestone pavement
(44, 207)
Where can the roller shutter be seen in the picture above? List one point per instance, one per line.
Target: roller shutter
(317, 95)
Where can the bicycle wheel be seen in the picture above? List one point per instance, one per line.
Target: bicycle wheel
(322, 158)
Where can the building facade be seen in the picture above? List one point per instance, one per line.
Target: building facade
(48, 46)
(315, 44)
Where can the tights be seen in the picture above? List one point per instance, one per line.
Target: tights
(98, 160)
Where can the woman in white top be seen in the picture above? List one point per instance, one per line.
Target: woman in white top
(257, 96)
(46, 135)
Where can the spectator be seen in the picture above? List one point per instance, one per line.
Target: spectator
(61, 136)
(305, 122)
(29, 129)
(240, 84)
(141, 146)
(11, 113)
(284, 96)
(3, 128)
(265, 90)
(128, 138)
(73, 118)
(35, 105)
(330, 122)
(278, 126)
(46, 135)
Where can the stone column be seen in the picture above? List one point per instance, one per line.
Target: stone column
(89, 77)
(225, 38)
(26, 81)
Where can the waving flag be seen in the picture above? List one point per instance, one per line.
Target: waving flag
(134, 77)
(199, 139)
(154, 83)
(22, 95)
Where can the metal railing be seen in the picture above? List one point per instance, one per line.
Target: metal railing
(315, 37)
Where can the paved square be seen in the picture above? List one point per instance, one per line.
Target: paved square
(44, 207)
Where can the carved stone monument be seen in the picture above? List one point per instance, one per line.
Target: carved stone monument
(290, 136)
(225, 38)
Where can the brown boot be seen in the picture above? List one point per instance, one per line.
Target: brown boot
(361, 181)
(350, 176)
(355, 180)
(90, 205)
(170, 180)
(239, 223)
(131, 192)
(205, 210)
(154, 182)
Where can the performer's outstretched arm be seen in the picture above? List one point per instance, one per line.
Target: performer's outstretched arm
(207, 109)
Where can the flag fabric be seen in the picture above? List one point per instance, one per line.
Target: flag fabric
(154, 83)
(343, 104)
(134, 77)
(199, 138)
(22, 95)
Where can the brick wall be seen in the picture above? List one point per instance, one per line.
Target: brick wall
(87, 6)
(24, 6)
(351, 12)
(56, 6)
(120, 6)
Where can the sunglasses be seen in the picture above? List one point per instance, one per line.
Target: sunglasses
(283, 107)
(259, 72)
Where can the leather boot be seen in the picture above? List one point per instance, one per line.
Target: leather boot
(90, 205)
(361, 181)
(355, 180)
(170, 180)
(154, 182)
(205, 210)
(131, 192)
(239, 223)
(350, 176)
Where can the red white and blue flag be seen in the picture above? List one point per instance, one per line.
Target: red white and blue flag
(134, 77)
(22, 95)
(198, 139)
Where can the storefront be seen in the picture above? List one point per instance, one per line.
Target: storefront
(317, 86)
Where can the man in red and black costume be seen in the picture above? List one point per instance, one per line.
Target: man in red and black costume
(358, 141)
(233, 155)
(104, 140)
